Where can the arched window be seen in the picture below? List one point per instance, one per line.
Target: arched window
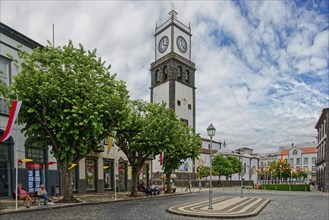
(187, 76)
(294, 152)
(180, 72)
(157, 76)
(165, 72)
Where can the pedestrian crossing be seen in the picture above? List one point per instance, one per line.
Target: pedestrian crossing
(226, 206)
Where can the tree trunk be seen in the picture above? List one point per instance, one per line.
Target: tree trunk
(66, 177)
(134, 174)
(168, 175)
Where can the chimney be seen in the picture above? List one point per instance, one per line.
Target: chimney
(292, 145)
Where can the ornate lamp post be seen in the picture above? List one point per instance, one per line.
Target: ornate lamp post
(211, 133)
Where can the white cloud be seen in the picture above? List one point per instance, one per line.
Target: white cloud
(261, 66)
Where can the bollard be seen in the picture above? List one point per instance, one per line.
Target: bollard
(236, 189)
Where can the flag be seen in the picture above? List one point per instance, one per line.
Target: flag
(26, 160)
(110, 142)
(72, 166)
(16, 105)
(161, 157)
(109, 145)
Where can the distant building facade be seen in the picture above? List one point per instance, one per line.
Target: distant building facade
(266, 158)
(301, 158)
(322, 162)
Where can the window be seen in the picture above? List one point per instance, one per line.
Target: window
(189, 106)
(261, 164)
(36, 155)
(5, 69)
(291, 161)
(157, 76)
(313, 160)
(108, 175)
(305, 162)
(298, 161)
(294, 152)
(180, 72)
(178, 102)
(91, 174)
(187, 76)
(165, 72)
(184, 121)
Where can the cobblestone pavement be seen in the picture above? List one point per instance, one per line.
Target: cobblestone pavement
(283, 205)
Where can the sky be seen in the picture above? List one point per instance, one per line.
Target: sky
(262, 66)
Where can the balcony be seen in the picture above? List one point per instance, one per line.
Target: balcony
(319, 160)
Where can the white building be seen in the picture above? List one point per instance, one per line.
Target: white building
(245, 155)
(301, 158)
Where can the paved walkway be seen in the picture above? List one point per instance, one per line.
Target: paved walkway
(223, 206)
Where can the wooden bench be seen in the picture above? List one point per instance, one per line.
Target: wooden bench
(33, 195)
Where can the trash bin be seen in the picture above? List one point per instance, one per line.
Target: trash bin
(56, 190)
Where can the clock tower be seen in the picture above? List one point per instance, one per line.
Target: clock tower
(173, 72)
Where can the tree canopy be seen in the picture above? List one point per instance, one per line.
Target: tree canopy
(184, 144)
(70, 102)
(144, 133)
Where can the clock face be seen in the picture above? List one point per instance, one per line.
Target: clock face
(163, 44)
(181, 44)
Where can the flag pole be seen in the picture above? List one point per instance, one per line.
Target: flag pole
(115, 174)
(16, 160)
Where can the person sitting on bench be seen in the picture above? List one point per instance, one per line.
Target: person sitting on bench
(22, 194)
(42, 193)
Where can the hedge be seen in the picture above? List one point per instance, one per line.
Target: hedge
(285, 187)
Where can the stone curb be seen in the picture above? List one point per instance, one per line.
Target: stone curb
(85, 203)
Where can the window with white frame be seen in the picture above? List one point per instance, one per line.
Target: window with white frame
(294, 152)
(313, 160)
(298, 161)
(5, 70)
(305, 162)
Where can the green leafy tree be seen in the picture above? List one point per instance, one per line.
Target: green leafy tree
(222, 166)
(279, 168)
(183, 144)
(236, 165)
(144, 133)
(70, 102)
(203, 172)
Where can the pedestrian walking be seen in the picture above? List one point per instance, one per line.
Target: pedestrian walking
(200, 186)
(188, 186)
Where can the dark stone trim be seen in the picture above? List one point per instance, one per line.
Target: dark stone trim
(8, 45)
(17, 36)
(100, 186)
(82, 186)
(194, 109)
(172, 94)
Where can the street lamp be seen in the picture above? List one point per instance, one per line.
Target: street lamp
(211, 133)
